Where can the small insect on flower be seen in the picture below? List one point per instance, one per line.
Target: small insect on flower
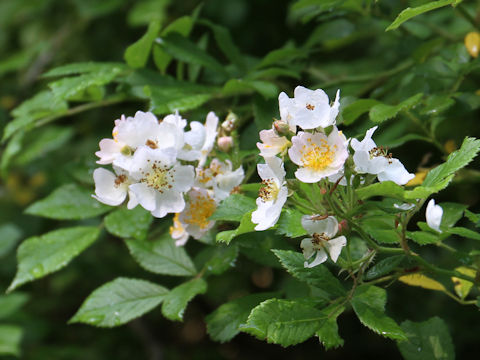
(434, 214)
(371, 159)
(322, 241)
(318, 155)
(308, 109)
(272, 195)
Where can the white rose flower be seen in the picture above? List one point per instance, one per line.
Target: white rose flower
(369, 158)
(224, 178)
(195, 217)
(272, 144)
(308, 109)
(322, 242)
(317, 155)
(434, 215)
(128, 134)
(112, 189)
(273, 194)
(161, 180)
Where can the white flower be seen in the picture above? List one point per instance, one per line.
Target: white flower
(195, 217)
(322, 242)
(273, 194)
(369, 158)
(225, 179)
(112, 189)
(272, 144)
(161, 180)
(308, 109)
(317, 155)
(128, 134)
(177, 231)
(199, 140)
(434, 215)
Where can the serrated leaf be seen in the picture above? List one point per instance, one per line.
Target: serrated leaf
(422, 281)
(39, 256)
(9, 304)
(409, 13)
(382, 112)
(452, 212)
(423, 192)
(161, 256)
(10, 337)
(178, 298)
(462, 287)
(68, 202)
(127, 223)
(368, 302)
(381, 228)
(289, 224)
(426, 340)
(284, 322)
(328, 332)
(384, 188)
(119, 301)
(318, 276)
(353, 111)
(83, 68)
(245, 226)
(383, 267)
(136, 55)
(464, 232)
(183, 97)
(423, 237)
(223, 324)
(475, 218)
(455, 161)
(233, 208)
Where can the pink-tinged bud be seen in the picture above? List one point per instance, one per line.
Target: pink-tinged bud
(323, 191)
(225, 143)
(343, 226)
(281, 127)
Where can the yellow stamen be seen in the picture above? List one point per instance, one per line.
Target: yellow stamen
(160, 177)
(318, 157)
(269, 190)
(199, 211)
(177, 225)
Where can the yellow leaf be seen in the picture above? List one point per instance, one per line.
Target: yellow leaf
(472, 43)
(422, 281)
(463, 287)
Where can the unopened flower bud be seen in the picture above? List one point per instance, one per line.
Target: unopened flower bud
(281, 127)
(343, 226)
(230, 122)
(225, 143)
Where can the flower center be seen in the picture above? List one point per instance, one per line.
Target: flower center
(120, 179)
(310, 107)
(159, 177)
(319, 239)
(380, 151)
(318, 157)
(269, 190)
(199, 211)
(151, 144)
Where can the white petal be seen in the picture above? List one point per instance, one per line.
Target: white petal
(184, 176)
(335, 247)
(109, 150)
(367, 143)
(434, 215)
(328, 226)
(106, 191)
(268, 213)
(307, 248)
(168, 202)
(144, 195)
(320, 258)
(396, 172)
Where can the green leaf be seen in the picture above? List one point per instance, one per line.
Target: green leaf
(452, 212)
(263, 111)
(384, 188)
(10, 337)
(41, 255)
(11, 303)
(126, 223)
(368, 302)
(427, 340)
(137, 54)
(161, 256)
(184, 50)
(328, 332)
(383, 267)
(224, 323)
(178, 298)
(464, 232)
(318, 276)
(409, 13)
(381, 228)
(9, 236)
(455, 161)
(119, 301)
(423, 192)
(69, 202)
(223, 258)
(382, 112)
(245, 226)
(246, 86)
(284, 322)
(474, 218)
(84, 68)
(233, 208)
(289, 224)
(167, 99)
(353, 111)
(423, 237)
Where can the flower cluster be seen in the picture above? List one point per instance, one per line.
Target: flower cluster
(308, 137)
(163, 168)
